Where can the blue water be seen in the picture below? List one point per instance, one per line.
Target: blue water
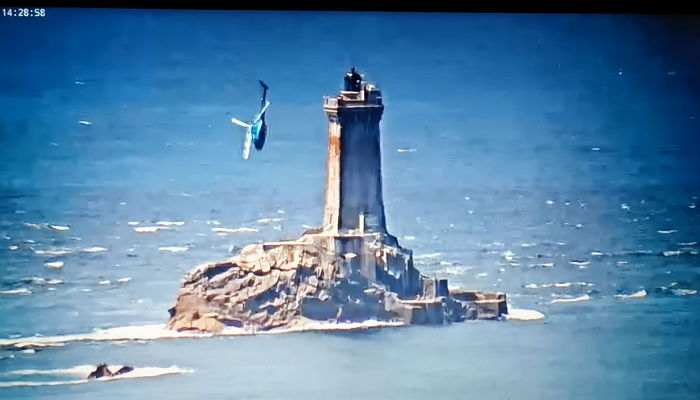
(534, 140)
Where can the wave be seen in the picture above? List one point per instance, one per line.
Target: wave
(170, 223)
(174, 249)
(94, 249)
(54, 264)
(149, 229)
(159, 331)
(579, 263)
(545, 265)
(454, 270)
(37, 280)
(16, 291)
(636, 295)
(683, 292)
(427, 256)
(83, 371)
(268, 220)
(561, 285)
(585, 297)
(518, 314)
(235, 230)
(52, 253)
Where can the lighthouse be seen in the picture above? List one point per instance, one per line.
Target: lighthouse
(354, 202)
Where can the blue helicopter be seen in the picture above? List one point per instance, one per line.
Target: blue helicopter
(256, 130)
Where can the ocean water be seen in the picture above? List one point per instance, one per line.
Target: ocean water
(550, 157)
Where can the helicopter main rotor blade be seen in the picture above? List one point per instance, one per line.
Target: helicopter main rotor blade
(240, 123)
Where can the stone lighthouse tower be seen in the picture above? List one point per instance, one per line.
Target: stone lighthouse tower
(353, 198)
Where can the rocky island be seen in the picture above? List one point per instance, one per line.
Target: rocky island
(348, 270)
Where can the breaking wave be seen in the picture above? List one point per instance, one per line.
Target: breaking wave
(82, 371)
(159, 331)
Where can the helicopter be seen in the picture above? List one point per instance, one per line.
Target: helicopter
(256, 130)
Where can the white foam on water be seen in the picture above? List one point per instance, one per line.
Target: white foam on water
(132, 223)
(687, 243)
(625, 207)
(170, 223)
(454, 270)
(280, 211)
(620, 263)
(77, 371)
(268, 220)
(94, 249)
(311, 326)
(54, 264)
(33, 226)
(546, 265)
(123, 280)
(597, 253)
(148, 229)
(585, 297)
(427, 256)
(83, 371)
(84, 122)
(549, 202)
(409, 238)
(636, 295)
(508, 255)
(562, 285)
(59, 228)
(521, 314)
(159, 331)
(52, 253)
(481, 275)
(13, 248)
(579, 263)
(174, 249)
(672, 253)
(683, 292)
(408, 150)
(37, 280)
(233, 230)
(104, 282)
(15, 291)
(667, 231)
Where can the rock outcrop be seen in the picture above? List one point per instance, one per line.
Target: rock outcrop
(321, 277)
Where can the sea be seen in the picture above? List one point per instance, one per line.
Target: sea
(552, 157)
